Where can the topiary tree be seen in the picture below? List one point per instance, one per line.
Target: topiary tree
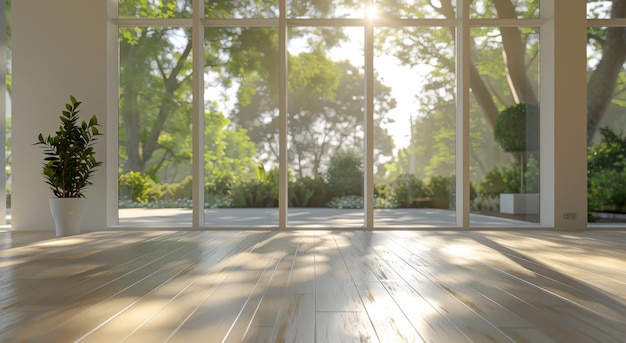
(517, 131)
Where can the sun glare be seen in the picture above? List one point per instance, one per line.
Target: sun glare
(371, 12)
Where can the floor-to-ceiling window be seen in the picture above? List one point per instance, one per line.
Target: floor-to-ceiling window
(606, 110)
(328, 114)
(504, 111)
(155, 99)
(5, 110)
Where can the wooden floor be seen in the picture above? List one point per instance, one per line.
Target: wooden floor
(314, 286)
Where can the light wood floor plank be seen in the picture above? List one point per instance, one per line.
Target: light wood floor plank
(216, 270)
(434, 284)
(314, 286)
(344, 326)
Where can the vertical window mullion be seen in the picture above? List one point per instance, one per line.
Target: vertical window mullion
(282, 116)
(462, 114)
(368, 187)
(3, 117)
(197, 37)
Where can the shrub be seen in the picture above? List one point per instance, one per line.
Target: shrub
(345, 173)
(218, 186)
(500, 180)
(385, 203)
(606, 174)
(441, 188)
(610, 153)
(407, 187)
(299, 193)
(486, 203)
(254, 193)
(308, 192)
(177, 190)
(382, 190)
(607, 190)
(135, 186)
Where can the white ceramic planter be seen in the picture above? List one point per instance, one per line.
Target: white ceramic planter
(67, 214)
(519, 203)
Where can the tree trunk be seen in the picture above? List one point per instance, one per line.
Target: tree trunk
(601, 85)
(130, 117)
(514, 53)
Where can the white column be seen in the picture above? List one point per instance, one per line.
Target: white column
(563, 115)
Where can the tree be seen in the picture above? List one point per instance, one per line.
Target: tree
(228, 153)
(502, 62)
(517, 131)
(603, 80)
(345, 173)
(155, 102)
(325, 113)
(155, 77)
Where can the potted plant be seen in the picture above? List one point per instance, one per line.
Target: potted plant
(517, 131)
(68, 166)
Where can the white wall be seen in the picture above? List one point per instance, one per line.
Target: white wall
(59, 48)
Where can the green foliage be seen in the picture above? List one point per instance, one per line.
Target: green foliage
(382, 190)
(309, 192)
(607, 190)
(229, 153)
(314, 73)
(531, 176)
(260, 170)
(441, 190)
(217, 192)
(486, 203)
(302, 192)
(506, 179)
(406, 188)
(609, 154)
(70, 156)
(218, 186)
(180, 190)
(345, 173)
(606, 172)
(500, 180)
(254, 193)
(325, 112)
(135, 186)
(517, 128)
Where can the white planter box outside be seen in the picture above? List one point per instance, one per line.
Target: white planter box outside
(516, 203)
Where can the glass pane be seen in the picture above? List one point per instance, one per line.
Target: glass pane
(154, 8)
(606, 106)
(241, 9)
(415, 127)
(5, 110)
(325, 129)
(155, 126)
(325, 9)
(241, 127)
(415, 9)
(505, 9)
(504, 127)
(605, 9)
